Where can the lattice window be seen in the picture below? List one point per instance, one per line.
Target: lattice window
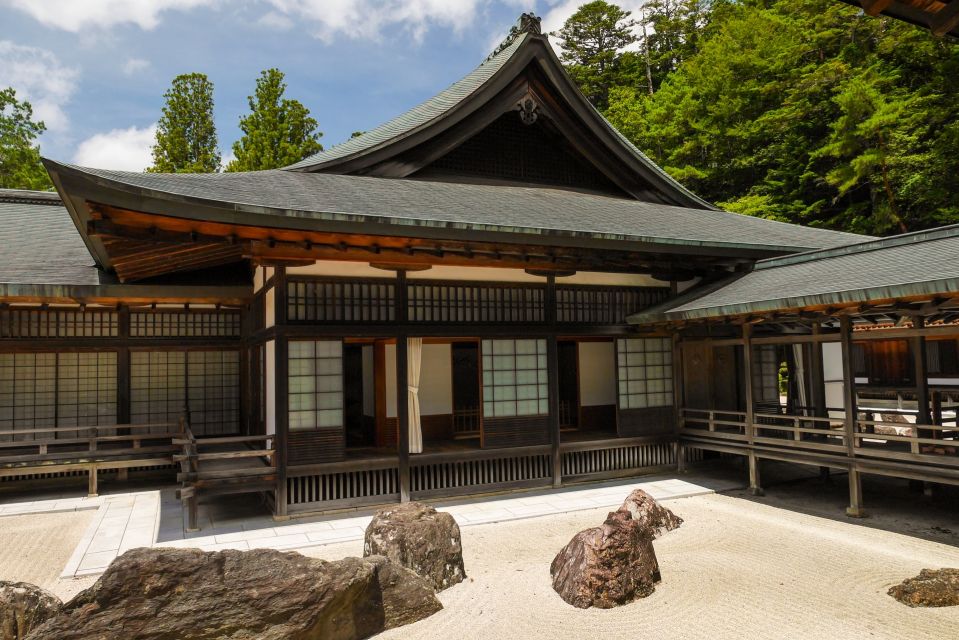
(157, 386)
(645, 372)
(87, 389)
(315, 384)
(341, 301)
(476, 302)
(766, 362)
(604, 305)
(213, 392)
(514, 378)
(185, 324)
(27, 392)
(57, 323)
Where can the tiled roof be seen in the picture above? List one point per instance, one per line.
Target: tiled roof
(419, 115)
(912, 264)
(40, 244)
(281, 198)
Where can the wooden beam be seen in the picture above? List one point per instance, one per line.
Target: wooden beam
(403, 414)
(849, 383)
(875, 7)
(945, 20)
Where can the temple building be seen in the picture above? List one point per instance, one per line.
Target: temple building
(494, 291)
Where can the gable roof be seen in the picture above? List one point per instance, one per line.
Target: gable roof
(493, 82)
(924, 263)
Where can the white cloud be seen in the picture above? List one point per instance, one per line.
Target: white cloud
(38, 76)
(275, 20)
(367, 18)
(79, 15)
(125, 149)
(134, 66)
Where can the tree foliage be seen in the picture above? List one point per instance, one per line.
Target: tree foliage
(804, 111)
(20, 166)
(186, 140)
(277, 132)
(592, 39)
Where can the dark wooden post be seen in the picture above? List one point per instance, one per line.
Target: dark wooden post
(755, 482)
(552, 378)
(679, 451)
(403, 414)
(281, 384)
(855, 508)
(918, 344)
(817, 374)
(123, 366)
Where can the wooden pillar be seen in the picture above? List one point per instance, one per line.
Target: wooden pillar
(755, 482)
(750, 403)
(552, 377)
(123, 366)
(281, 390)
(403, 414)
(918, 344)
(817, 375)
(679, 450)
(848, 384)
(855, 508)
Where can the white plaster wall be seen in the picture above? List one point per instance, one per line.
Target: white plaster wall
(270, 386)
(832, 376)
(369, 385)
(612, 279)
(270, 303)
(597, 373)
(436, 380)
(340, 268)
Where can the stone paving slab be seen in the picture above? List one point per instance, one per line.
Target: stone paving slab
(155, 518)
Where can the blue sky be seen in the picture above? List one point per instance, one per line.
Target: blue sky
(96, 70)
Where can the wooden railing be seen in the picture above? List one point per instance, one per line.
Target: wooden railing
(102, 447)
(218, 466)
(907, 441)
(466, 422)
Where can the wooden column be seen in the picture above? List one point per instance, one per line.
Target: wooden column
(855, 508)
(552, 376)
(123, 366)
(918, 344)
(403, 414)
(748, 372)
(679, 451)
(281, 385)
(817, 375)
(755, 482)
(848, 382)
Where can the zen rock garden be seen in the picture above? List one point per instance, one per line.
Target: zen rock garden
(614, 563)
(931, 588)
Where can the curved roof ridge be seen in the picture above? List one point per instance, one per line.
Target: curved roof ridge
(420, 115)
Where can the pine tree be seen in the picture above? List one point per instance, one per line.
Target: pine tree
(186, 139)
(20, 166)
(277, 132)
(592, 39)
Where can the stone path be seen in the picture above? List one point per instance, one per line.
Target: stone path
(154, 518)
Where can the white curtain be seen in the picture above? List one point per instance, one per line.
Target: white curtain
(413, 363)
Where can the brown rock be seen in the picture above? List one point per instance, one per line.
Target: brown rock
(420, 538)
(187, 594)
(607, 565)
(931, 588)
(24, 606)
(644, 509)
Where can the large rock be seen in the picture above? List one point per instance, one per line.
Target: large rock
(418, 537)
(24, 606)
(607, 566)
(187, 594)
(644, 509)
(931, 588)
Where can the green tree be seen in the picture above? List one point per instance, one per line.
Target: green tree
(20, 166)
(186, 139)
(592, 39)
(277, 132)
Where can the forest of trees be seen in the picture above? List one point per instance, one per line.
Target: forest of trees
(803, 111)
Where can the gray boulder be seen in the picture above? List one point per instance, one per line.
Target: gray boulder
(419, 538)
(24, 606)
(931, 588)
(187, 594)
